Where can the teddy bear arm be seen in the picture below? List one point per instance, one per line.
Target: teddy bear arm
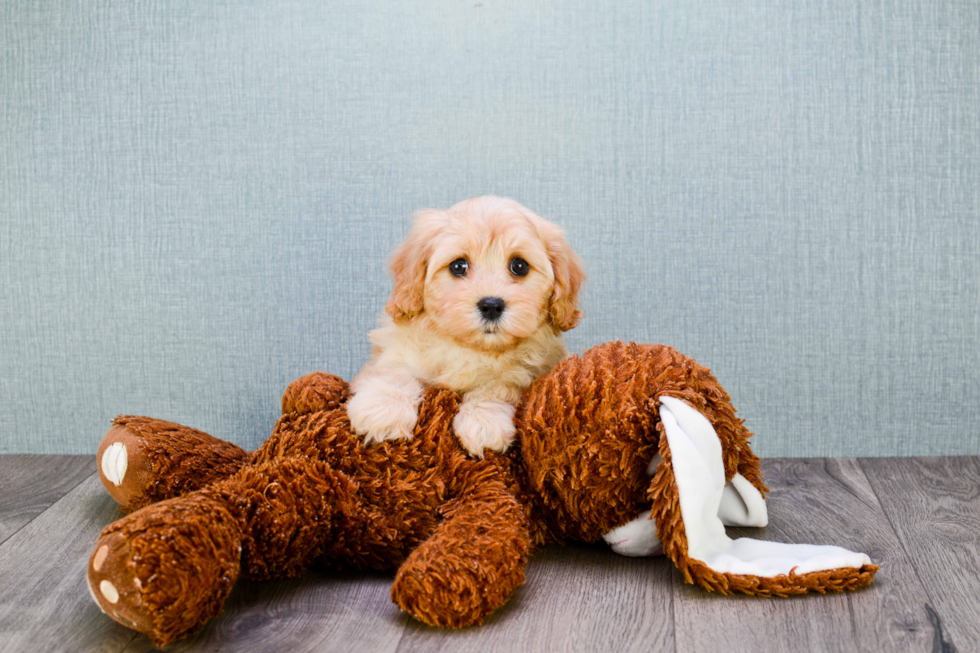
(166, 570)
(471, 565)
(142, 460)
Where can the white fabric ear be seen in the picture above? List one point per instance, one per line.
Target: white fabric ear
(699, 474)
(742, 504)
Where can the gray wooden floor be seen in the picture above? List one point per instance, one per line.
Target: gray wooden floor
(919, 518)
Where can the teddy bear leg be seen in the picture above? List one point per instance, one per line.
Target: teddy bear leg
(292, 510)
(470, 566)
(142, 460)
(166, 570)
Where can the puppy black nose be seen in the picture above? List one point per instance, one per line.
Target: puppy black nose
(491, 308)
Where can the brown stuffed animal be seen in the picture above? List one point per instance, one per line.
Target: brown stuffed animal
(591, 433)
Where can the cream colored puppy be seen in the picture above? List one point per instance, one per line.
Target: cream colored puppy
(483, 292)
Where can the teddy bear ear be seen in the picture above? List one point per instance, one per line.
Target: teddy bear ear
(697, 543)
(409, 264)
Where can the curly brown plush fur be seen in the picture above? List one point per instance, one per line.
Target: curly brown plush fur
(312, 494)
(458, 530)
(589, 429)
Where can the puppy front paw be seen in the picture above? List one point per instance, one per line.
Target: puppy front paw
(483, 425)
(380, 410)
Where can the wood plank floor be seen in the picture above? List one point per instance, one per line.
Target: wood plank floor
(919, 518)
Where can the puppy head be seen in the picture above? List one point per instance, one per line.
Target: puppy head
(487, 272)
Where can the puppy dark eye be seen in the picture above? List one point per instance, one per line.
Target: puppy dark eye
(459, 267)
(519, 267)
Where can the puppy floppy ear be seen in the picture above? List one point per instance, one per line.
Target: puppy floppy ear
(569, 277)
(409, 263)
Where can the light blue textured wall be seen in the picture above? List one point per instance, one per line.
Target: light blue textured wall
(197, 198)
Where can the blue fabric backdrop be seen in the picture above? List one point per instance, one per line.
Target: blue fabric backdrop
(197, 198)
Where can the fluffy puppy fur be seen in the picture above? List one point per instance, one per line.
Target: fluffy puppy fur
(485, 333)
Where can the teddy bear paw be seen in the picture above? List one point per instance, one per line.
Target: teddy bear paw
(114, 586)
(457, 600)
(123, 465)
(636, 538)
(166, 569)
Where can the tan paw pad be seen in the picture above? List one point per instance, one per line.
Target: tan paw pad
(109, 591)
(100, 557)
(115, 459)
